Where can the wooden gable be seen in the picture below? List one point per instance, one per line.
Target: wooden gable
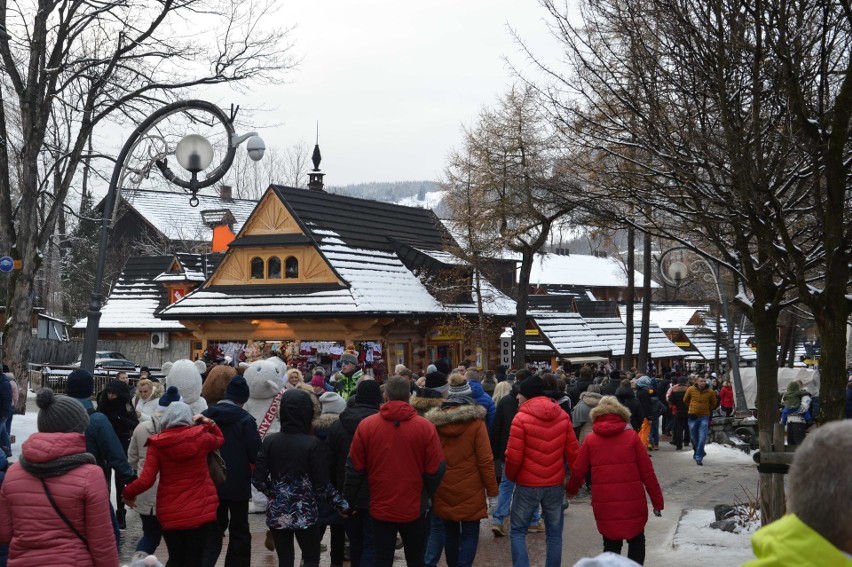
(273, 234)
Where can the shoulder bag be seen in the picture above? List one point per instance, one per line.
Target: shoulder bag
(63, 516)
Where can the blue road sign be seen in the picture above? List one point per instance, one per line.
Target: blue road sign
(6, 264)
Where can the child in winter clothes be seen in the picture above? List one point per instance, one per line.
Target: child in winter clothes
(797, 412)
(621, 474)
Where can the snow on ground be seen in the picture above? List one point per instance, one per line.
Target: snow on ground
(695, 538)
(720, 453)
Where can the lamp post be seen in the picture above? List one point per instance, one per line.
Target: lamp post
(676, 273)
(195, 154)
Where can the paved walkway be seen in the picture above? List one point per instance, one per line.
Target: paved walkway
(684, 486)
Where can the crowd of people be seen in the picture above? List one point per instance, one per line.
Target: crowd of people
(417, 460)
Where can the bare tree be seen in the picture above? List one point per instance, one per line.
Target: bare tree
(738, 164)
(72, 66)
(513, 164)
(289, 167)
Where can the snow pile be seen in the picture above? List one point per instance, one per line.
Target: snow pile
(695, 538)
(431, 200)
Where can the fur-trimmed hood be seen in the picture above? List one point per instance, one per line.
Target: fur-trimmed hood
(455, 414)
(610, 405)
(423, 405)
(591, 399)
(324, 422)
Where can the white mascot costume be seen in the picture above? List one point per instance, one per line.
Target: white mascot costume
(264, 382)
(184, 375)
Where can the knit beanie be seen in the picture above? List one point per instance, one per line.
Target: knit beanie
(171, 395)
(237, 390)
(60, 414)
(459, 387)
(436, 380)
(80, 384)
(349, 357)
(368, 392)
(532, 387)
(318, 381)
(332, 403)
(176, 415)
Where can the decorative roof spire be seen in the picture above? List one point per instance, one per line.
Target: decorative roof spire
(315, 177)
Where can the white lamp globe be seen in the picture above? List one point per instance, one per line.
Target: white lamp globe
(677, 271)
(256, 148)
(194, 153)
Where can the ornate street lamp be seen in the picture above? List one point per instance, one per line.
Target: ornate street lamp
(195, 154)
(676, 273)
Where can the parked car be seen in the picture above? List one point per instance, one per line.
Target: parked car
(108, 359)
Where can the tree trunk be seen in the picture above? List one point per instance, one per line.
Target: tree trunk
(644, 337)
(527, 258)
(765, 334)
(17, 336)
(832, 371)
(630, 297)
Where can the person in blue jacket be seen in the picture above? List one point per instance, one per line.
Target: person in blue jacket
(481, 398)
(242, 444)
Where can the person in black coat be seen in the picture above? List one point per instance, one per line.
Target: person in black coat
(661, 391)
(292, 471)
(359, 526)
(242, 444)
(115, 402)
(583, 382)
(625, 395)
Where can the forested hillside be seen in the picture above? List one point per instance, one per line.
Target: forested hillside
(394, 191)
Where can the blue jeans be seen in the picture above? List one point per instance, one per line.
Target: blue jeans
(5, 439)
(654, 438)
(698, 429)
(525, 501)
(461, 541)
(362, 547)
(436, 540)
(152, 532)
(504, 500)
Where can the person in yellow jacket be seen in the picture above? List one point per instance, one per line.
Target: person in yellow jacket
(701, 401)
(816, 532)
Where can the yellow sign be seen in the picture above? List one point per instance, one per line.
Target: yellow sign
(531, 332)
(683, 343)
(18, 264)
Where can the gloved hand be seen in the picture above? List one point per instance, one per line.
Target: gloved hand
(657, 513)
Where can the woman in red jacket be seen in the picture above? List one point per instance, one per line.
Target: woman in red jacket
(55, 474)
(726, 398)
(621, 473)
(186, 496)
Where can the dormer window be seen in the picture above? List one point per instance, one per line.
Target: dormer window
(273, 268)
(291, 268)
(256, 268)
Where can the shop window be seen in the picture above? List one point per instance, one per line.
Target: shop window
(291, 268)
(257, 268)
(273, 268)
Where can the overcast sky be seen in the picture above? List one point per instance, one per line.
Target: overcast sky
(391, 82)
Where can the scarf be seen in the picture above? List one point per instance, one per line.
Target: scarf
(57, 467)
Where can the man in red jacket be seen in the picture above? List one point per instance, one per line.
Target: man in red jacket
(399, 455)
(541, 442)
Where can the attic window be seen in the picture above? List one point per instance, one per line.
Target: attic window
(257, 268)
(273, 268)
(291, 268)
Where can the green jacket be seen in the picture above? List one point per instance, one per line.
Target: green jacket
(345, 385)
(789, 541)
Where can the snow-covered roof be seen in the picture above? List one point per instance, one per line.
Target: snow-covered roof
(568, 333)
(675, 316)
(170, 214)
(613, 332)
(580, 270)
(704, 342)
(135, 298)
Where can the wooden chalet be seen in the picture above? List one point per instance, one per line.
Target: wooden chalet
(310, 273)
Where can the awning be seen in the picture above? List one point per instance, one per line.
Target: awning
(586, 359)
